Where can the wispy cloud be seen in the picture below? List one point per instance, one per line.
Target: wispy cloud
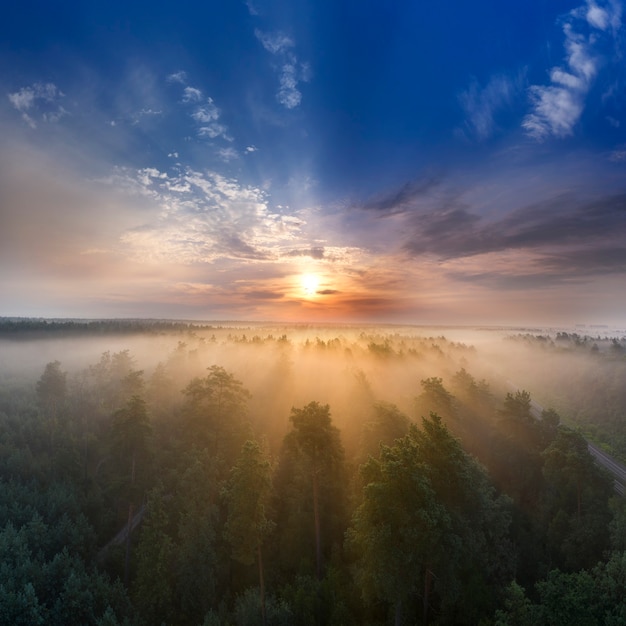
(403, 199)
(481, 104)
(557, 107)
(39, 101)
(290, 71)
(251, 8)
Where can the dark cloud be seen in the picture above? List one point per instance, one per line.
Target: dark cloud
(327, 292)
(597, 227)
(503, 282)
(401, 200)
(586, 262)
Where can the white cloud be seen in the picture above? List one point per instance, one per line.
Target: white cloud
(291, 72)
(38, 99)
(191, 94)
(288, 94)
(274, 42)
(597, 16)
(178, 77)
(556, 108)
(556, 111)
(206, 113)
(23, 99)
(204, 217)
(227, 154)
(213, 131)
(251, 149)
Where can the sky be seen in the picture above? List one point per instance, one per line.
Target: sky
(314, 161)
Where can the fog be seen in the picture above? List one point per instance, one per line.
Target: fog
(350, 368)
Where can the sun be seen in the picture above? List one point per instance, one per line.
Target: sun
(310, 283)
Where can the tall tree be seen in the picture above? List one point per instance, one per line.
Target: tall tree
(52, 389)
(575, 503)
(130, 434)
(215, 412)
(312, 453)
(247, 494)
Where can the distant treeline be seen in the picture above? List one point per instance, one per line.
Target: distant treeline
(27, 328)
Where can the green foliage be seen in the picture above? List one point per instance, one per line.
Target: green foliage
(247, 494)
(52, 389)
(387, 425)
(575, 503)
(154, 584)
(215, 413)
(428, 522)
(430, 539)
(311, 462)
(435, 398)
(247, 610)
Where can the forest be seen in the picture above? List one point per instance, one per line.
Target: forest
(162, 473)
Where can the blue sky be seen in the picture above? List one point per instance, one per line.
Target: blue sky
(333, 161)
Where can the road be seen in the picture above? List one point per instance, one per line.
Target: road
(617, 470)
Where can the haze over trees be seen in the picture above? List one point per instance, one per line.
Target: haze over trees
(207, 475)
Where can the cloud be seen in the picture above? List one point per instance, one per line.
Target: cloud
(401, 200)
(191, 94)
(604, 18)
(557, 107)
(558, 228)
(178, 77)
(251, 8)
(482, 104)
(290, 71)
(227, 154)
(38, 100)
(274, 42)
(206, 113)
(597, 16)
(288, 94)
(314, 253)
(618, 155)
(207, 116)
(202, 218)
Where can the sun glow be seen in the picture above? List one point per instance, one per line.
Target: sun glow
(310, 283)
